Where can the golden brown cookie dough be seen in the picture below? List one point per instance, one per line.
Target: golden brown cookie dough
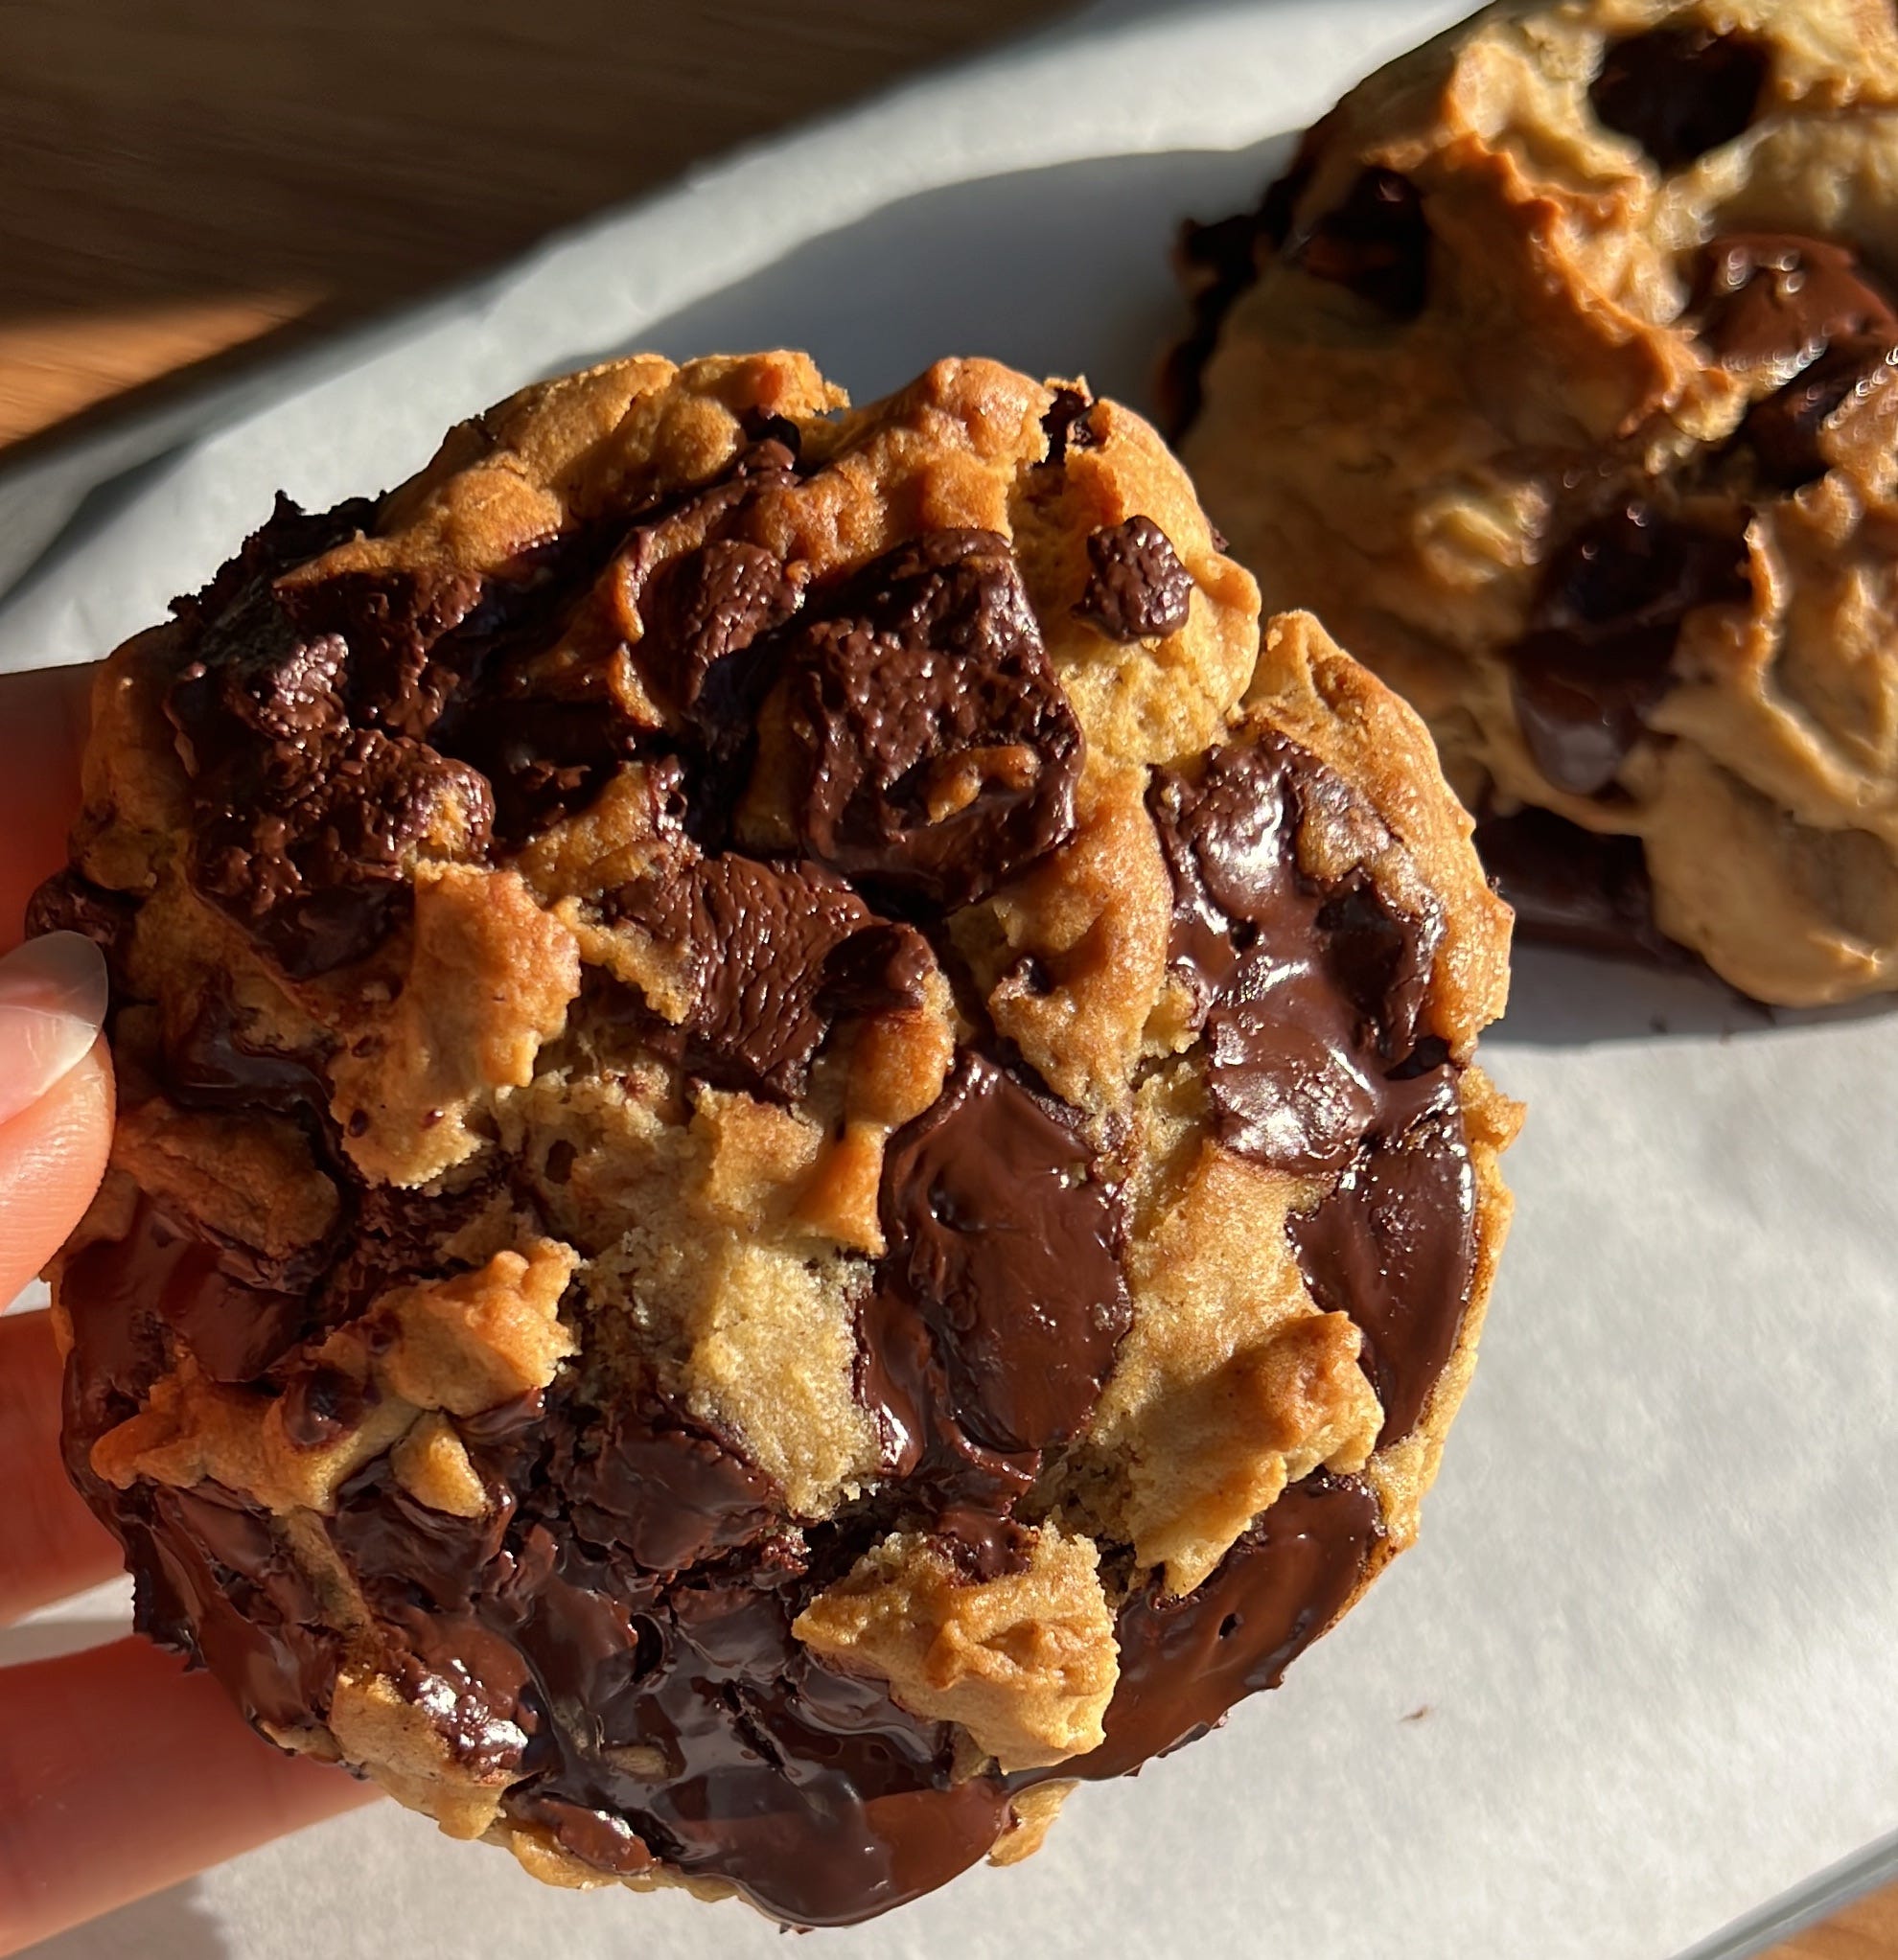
(1554, 378)
(800, 1155)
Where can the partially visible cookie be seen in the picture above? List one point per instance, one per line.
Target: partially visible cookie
(800, 1158)
(1556, 376)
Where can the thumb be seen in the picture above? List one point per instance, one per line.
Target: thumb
(55, 1097)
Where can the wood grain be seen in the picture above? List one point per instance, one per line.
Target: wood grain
(183, 180)
(189, 183)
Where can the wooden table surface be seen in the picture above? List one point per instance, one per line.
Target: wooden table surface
(195, 184)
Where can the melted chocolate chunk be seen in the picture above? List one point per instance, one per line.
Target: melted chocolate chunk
(1138, 588)
(1066, 426)
(1679, 91)
(1769, 299)
(220, 1587)
(649, 1715)
(1309, 997)
(212, 1065)
(321, 1405)
(702, 613)
(932, 750)
(119, 1341)
(339, 729)
(1216, 264)
(1380, 959)
(235, 1327)
(1000, 1303)
(1377, 244)
(773, 955)
(1572, 887)
(1795, 434)
(310, 852)
(646, 1480)
(1599, 646)
(1394, 1246)
(1319, 1059)
(69, 903)
(1185, 1662)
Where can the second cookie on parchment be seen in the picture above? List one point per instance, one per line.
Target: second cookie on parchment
(1555, 376)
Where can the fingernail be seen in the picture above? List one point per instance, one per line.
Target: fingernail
(52, 994)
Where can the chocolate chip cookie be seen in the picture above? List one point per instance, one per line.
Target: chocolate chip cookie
(1554, 375)
(798, 1155)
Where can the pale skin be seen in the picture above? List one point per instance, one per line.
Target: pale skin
(119, 1772)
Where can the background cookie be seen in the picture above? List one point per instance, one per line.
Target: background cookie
(1554, 376)
(799, 1158)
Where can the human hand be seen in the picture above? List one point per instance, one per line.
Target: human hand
(118, 1773)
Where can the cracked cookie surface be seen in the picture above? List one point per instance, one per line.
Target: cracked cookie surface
(1554, 376)
(800, 1156)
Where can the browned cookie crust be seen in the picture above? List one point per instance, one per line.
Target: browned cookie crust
(1555, 377)
(798, 1156)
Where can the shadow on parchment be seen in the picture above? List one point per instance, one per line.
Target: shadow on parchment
(1032, 267)
(172, 1924)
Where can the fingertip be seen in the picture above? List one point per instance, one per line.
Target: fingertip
(44, 720)
(123, 1774)
(52, 1157)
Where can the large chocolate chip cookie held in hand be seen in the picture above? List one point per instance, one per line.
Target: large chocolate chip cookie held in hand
(800, 1156)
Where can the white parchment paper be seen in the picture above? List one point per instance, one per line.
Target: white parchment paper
(1640, 1677)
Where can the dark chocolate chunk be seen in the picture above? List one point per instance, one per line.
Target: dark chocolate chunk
(1319, 1057)
(1770, 299)
(1003, 1274)
(1597, 656)
(1066, 426)
(1381, 961)
(403, 653)
(1377, 244)
(1185, 1662)
(236, 1328)
(644, 1478)
(312, 860)
(227, 1593)
(1570, 886)
(1679, 91)
(216, 1064)
(1138, 588)
(118, 1339)
(292, 537)
(1795, 434)
(606, 1843)
(933, 751)
(393, 1237)
(69, 903)
(1310, 997)
(981, 1545)
(773, 955)
(322, 1404)
(303, 823)
(1394, 1246)
(1216, 264)
(702, 613)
